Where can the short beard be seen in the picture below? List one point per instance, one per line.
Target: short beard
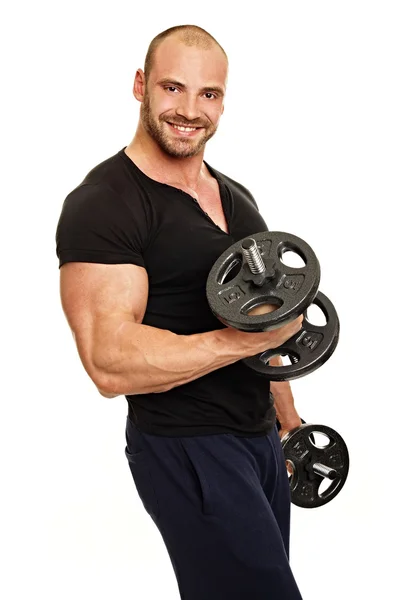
(176, 148)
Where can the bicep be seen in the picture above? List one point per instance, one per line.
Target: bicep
(96, 300)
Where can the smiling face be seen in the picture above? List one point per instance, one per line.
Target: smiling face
(185, 89)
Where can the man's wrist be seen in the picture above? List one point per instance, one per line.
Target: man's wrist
(286, 412)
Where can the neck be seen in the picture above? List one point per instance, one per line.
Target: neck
(157, 164)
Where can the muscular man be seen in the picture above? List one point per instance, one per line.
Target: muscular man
(136, 240)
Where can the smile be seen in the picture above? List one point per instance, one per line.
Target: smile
(181, 128)
(184, 130)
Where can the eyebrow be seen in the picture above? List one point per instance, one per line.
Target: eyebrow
(172, 82)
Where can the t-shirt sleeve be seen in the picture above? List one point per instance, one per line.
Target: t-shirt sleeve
(97, 225)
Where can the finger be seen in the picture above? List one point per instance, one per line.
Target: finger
(289, 467)
(262, 309)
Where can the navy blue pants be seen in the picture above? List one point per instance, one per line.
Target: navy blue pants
(222, 506)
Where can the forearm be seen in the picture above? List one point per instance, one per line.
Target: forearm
(283, 399)
(143, 359)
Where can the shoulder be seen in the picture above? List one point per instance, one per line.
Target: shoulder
(237, 189)
(112, 183)
(116, 175)
(89, 201)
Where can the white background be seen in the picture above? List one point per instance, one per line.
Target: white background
(311, 127)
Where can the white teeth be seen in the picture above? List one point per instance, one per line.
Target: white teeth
(184, 128)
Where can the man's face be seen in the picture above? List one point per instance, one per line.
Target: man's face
(186, 87)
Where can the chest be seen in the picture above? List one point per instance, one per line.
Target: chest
(180, 244)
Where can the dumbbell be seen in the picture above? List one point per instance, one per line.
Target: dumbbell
(313, 466)
(251, 273)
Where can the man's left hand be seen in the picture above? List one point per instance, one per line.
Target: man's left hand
(287, 427)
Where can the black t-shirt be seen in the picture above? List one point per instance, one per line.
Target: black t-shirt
(117, 214)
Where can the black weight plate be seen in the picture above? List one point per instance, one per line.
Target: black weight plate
(292, 289)
(311, 347)
(302, 454)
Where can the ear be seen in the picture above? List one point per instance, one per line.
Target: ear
(139, 85)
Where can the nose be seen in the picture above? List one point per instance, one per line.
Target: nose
(188, 107)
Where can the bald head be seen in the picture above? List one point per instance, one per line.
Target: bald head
(188, 35)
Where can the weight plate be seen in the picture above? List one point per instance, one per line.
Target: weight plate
(305, 457)
(308, 349)
(232, 291)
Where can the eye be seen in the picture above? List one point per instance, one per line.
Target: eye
(210, 94)
(171, 87)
